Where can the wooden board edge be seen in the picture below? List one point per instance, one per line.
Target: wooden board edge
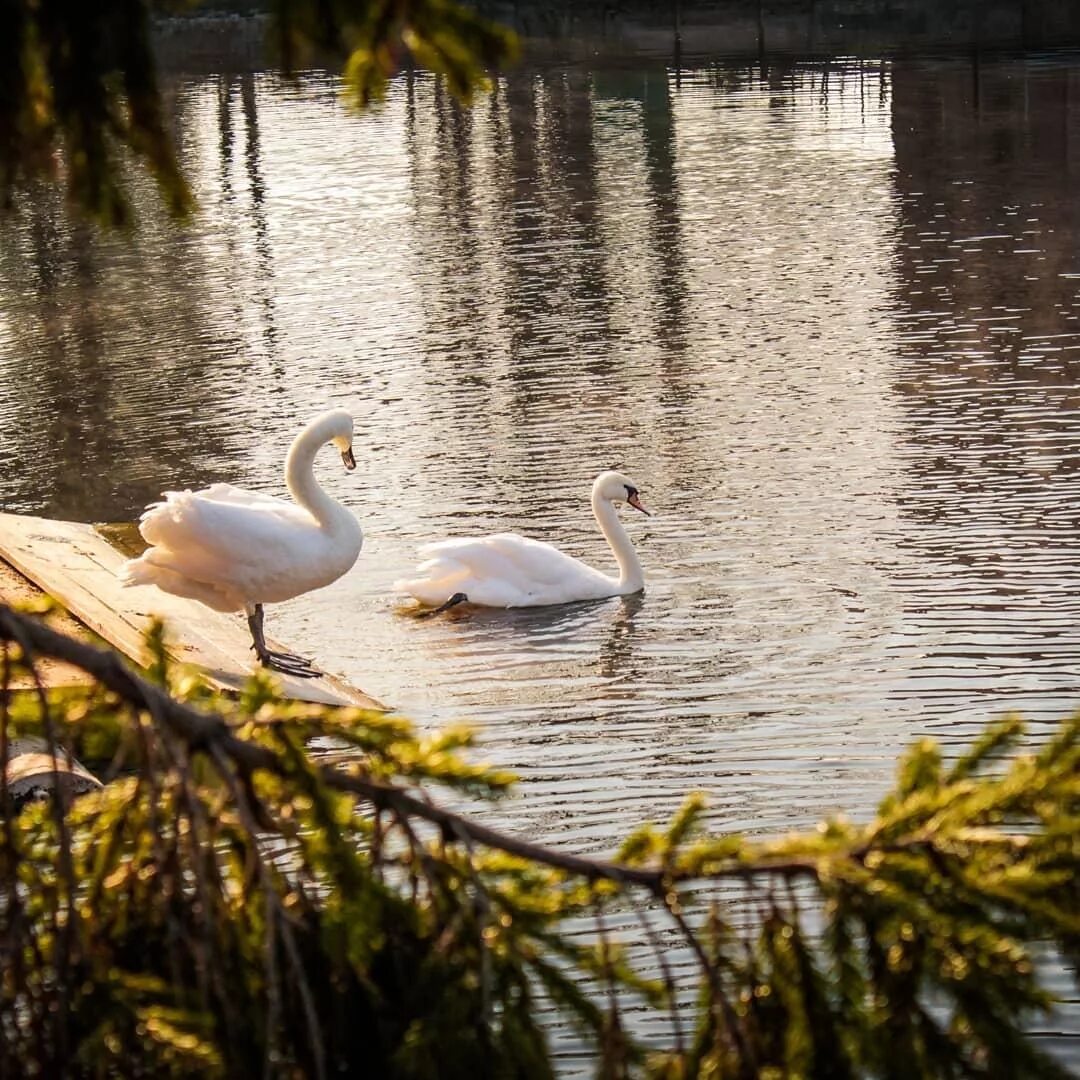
(328, 689)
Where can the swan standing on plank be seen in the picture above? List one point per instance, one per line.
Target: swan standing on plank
(237, 550)
(507, 570)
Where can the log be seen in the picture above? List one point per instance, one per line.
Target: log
(33, 774)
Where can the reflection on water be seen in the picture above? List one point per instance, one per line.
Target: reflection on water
(986, 370)
(826, 315)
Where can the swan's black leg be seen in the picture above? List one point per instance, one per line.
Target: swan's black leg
(286, 663)
(457, 598)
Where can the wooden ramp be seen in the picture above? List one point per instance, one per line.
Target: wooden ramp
(77, 566)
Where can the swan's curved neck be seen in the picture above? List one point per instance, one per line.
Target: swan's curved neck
(631, 576)
(301, 482)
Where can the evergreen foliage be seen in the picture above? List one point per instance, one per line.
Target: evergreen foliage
(233, 904)
(79, 91)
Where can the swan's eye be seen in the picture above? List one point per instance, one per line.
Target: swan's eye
(630, 491)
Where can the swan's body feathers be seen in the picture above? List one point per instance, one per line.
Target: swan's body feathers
(505, 570)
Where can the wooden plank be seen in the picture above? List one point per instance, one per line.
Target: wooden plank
(16, 589)
(78, 566)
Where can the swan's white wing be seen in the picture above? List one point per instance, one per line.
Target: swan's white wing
(228, 493)
(508, 556)
(246, 545)
(220, 518)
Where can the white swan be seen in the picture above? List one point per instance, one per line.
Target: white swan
(507, 570)
(237, 550)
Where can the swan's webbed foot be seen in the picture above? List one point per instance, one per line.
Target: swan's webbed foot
(289, 664)
(446, 605)
(286, 663)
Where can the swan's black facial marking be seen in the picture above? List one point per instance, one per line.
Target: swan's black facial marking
(633, 500)
(348, 459)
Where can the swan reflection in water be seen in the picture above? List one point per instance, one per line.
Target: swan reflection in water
(588, 643)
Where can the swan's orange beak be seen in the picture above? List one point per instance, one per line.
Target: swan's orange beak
(347, 457)
(635, 502)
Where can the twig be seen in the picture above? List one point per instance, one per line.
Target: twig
(665, 971)
(63, 931)
(712, 974)
(248, 817)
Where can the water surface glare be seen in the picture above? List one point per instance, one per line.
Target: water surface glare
(826, 316)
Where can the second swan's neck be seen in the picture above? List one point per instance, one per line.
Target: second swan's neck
(300, 480)
(631, 576)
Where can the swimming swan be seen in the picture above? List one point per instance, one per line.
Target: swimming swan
(237, 550)
(507, 570)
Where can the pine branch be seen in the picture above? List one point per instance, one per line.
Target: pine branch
(934, 902)
(203, 730)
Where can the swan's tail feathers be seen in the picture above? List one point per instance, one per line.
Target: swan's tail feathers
(143, 571)
(158, 517)
(439, 579)
(135, 572)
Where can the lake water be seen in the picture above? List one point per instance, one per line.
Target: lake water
(826, 315)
